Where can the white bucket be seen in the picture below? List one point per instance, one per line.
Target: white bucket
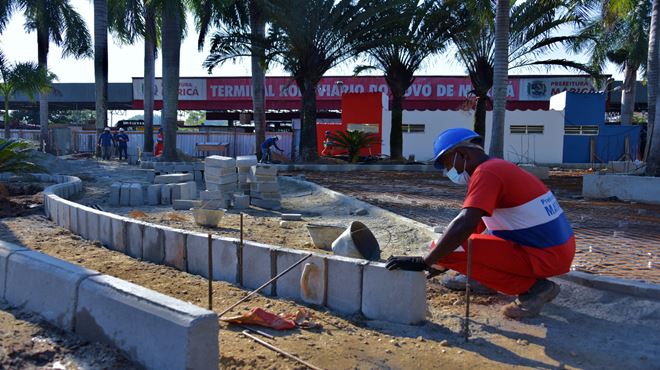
(357, 241)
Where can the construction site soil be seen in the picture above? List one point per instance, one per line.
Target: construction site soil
(582, 328)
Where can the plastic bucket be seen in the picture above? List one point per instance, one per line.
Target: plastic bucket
(208, 217)
(357, 241)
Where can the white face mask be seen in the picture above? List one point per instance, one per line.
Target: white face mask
(462, 178)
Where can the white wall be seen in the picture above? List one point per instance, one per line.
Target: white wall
(537, 148)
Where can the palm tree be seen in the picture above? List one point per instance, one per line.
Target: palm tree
(101, 62)
(56, 21)
(532, 32)
(653, 135)
(419, 31)
(500, 77)
(242, 32)
(15, 155)
(353, 142)
(27, 78)
(652, 76)
(619, 34)
(311, 36)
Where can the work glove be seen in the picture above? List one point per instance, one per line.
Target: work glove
(406, 263)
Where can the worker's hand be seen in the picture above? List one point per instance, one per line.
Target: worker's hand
(406, 263)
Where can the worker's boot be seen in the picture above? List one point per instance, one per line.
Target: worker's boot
(457, 282)
(530, 304)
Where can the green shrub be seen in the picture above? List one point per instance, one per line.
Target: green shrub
(353, 142)
(15, 155)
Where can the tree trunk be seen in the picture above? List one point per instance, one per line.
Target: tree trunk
(101, 63)
(149, 77)
(628, 94)
(653, 135)
(258, 31)
(6, 118)
(500, 77)
(42, 57)
(308, 149)
(171, 44)
(480, 116)
(396, 134)
(652, 76)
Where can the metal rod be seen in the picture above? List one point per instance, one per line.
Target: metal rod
(264, 285)
(241, 229)
(240, 255)
(256, 331)
(210, 256)
(466, 322)
(282, 352)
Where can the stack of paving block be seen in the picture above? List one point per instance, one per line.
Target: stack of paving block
(244, 164)
(264, 189)
(221, 181)
(172, 187)
(126, 194)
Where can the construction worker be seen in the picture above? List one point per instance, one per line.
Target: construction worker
(105, 142)
(122, 144)
(328, 144)
(266, 155)
(158, 150)
(519, 234)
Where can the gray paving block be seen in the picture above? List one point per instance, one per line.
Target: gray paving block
(73, 218)
(344, 291)
(198, 166)
(175, 248)
(188, 190)
(153, 329)
(186, 204)
(221, 180)
(166, 194)
(119, 233)
(218, 161)
(225, 257)
(153, 194)
(105, 228)
(115, 191)
(258, 266)
(198, 175)
(153, 246)
(265, 187)
(183, 168)
(208, 195)
(291, 217)
(134, 235)
(246, 161)
(6, 249)
(396, 296)
(288, 285)
(173, 178)
(241, 201)
(45, 285)
(63, 218)
(137, 195)
(93, 226)
(216, 172)
(224, 188)
(82, 222)
(125, 195)
(176, 190)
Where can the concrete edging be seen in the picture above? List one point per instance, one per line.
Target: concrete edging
(629, 287)
(642, 189)
(103, 308)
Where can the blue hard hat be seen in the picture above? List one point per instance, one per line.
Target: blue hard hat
(448, 139)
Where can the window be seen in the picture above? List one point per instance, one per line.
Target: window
(527, 129)
(370, 128)
(413, 128)
(590, 130)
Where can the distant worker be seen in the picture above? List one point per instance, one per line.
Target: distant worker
(105, 142)
(328, 144)
(520, 235)
(115, 142)
(159, 143)
(122, 144)
(266, 155)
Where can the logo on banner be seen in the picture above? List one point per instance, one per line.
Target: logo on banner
(537, 89)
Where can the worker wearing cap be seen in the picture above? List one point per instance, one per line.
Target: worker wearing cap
(105, 142)
(122, 144)
(519, 233)
(266, 155)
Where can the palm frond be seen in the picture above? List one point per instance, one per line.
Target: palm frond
(15, 155)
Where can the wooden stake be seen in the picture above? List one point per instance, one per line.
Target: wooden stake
(263, 286)
(210, 257)
(282, 352)
(466, 322)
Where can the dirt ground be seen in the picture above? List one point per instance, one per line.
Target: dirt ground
(582, 328)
